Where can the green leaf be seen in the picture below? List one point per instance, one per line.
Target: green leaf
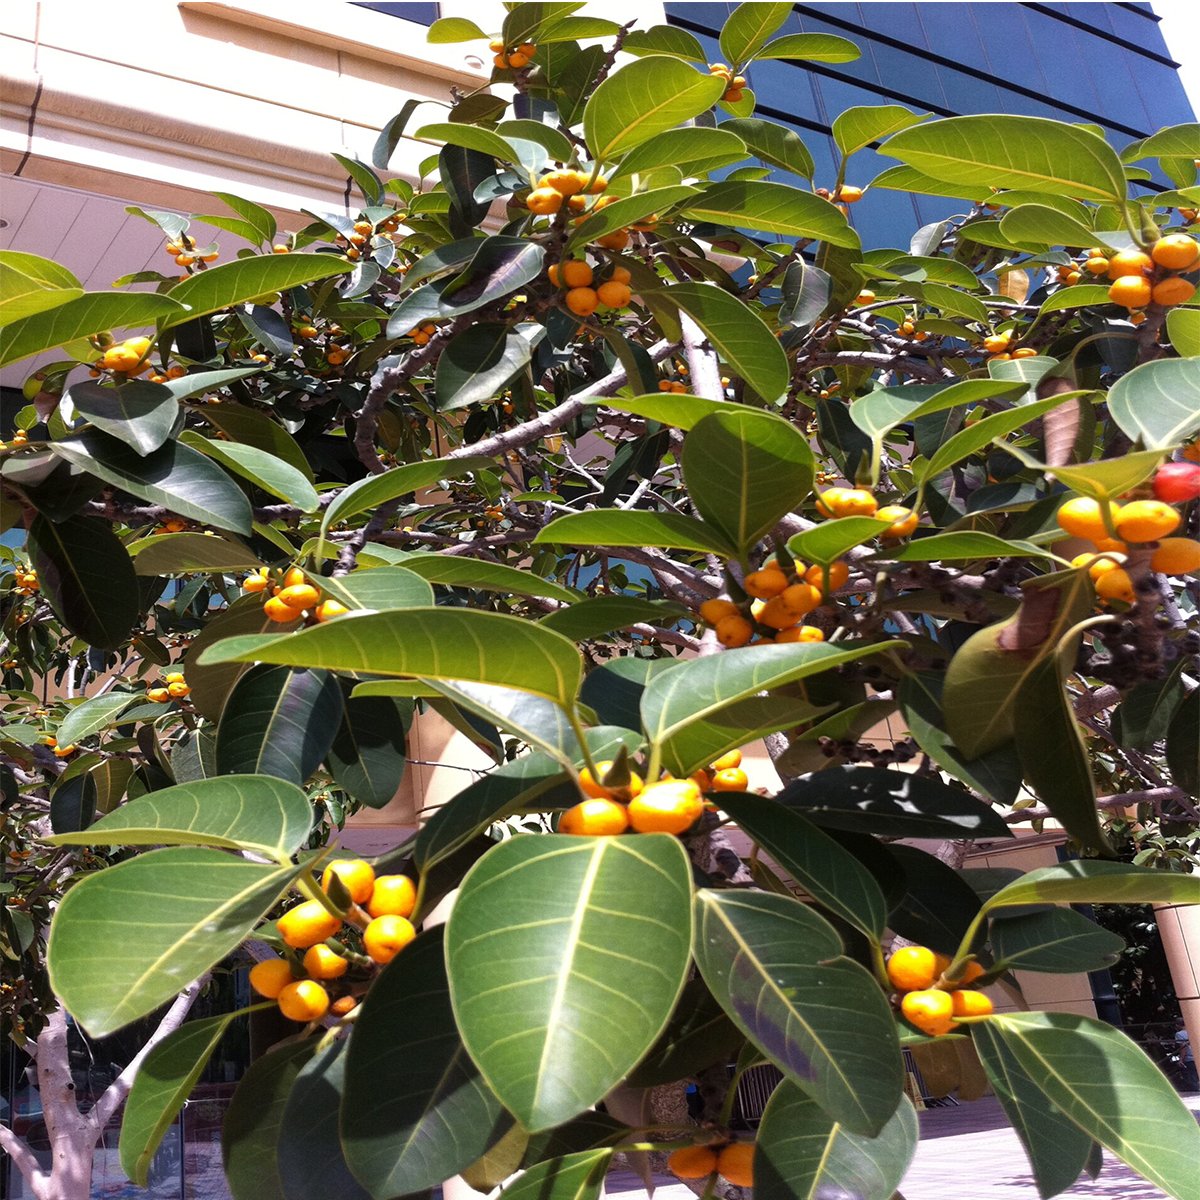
(1173, 141)
(72, 804)
(1093, 881)
(469, 137)
(253, 214)
(1158, 403)
(885, 408)
(416, 1110)
(773, 143)
(1080, 295)
(1128, 1107)
(777, 969)
(891, 804)
(1061, 941)
(478, 362)
(498, 268)
(453, 29)
(591, 618)
(237, 282)
(775, 208)
(279, 722)
(87, 578)
(664, 39)
(367, 756)
(859, 127)
(643, 98)
(189, 553)
(570, 1177)
(744, 471)
(937, 905)
(439, 643)
(247, 425)
(272, 474)
(965, 544)
(93, 715)
(109, 966)
(93, 312)
(312, 1163)
(999, 151)
(250, 1130)
(802, 1154)
(174, 476)
(738, 333)
(628, 210)
(43, 271)
(1038, 225)
(811, 47)
(137, 412)
(747, 29)
(379, 589)
(634, 527)
(1183, 328)
(1183, 744)
(683, 410)
(23, 295)
(829, 540)
(1057, 1148)
(536, 962)
(541, 723)
(694, 150)
(211, 685)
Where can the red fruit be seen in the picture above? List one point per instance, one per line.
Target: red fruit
(1177, 482)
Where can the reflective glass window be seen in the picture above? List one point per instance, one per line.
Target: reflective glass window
(1009, 48)
(786, 87)
(1162, 94)
(900, 20)
(1067, 65)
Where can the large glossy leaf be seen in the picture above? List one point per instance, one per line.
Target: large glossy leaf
(1057, 1148)
(252, 812)
(802, 1154)
(190, 553)
(986, 675)
(478, 362)
(312, 1164)
(746, 470)
(626, 211)
(1040, 225)
(633, 527)
(137, 412)
(738, 333)
(885, 408)
(1183, 744)
(774, 208)
(174, 476)
(236, 282)
(827, 872)
(498, 268)
(440, 643)
(211, 685)
(250, 1130)
(772, 143)
(279, 722)
(249, 426)
(367, 755)
(694, 150)
(859, 127)
(777, 969)
(268, 472)
(570, 1177)
(379, 589)
(539, 722)
(1158, 403)
(93, 715)
(1183, 328)
(109, 965)
(599, 615)
(748, 27)
(965, 544)
(31, 284)
(937, 906)
(162, 1083)
(1031, 153)
(93, 312)
(546, 934)
(1093, 881)
(892, 804)
(87, 577)
(1059, 940)
(811, 47)
(643, 98)
(416, 1109)
(1127, 1105)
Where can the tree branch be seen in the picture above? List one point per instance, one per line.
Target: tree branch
(1155, 796)
(23, 1158)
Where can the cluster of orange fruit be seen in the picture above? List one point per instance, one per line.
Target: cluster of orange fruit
(511, 58)
(1000, 347)
(173, 687)
(27, 581)
(59, 751)
(292, 598)
(670, 805)
(421, 334)
(929, 1000)
(734, 84)
(19, 438)
(187, 254)
(126, 358)
(1140, 278)
(569, 187)
(733, 1161)
(379, 908)
(577, 276)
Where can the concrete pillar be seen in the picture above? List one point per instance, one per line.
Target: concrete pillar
(1179, 925)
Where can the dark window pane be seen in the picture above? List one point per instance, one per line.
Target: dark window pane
(423, 14)
(1067, 81)
(862, 68)
(1162, 94)
(711, 16)
(785, 87)
(1009, 48)
(1133, 27)
(898, 20)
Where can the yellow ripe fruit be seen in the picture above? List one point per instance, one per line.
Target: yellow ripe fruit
(357, 876)
(595, 817)
(386, 936)
(565, 183)
(914, 968)
(731, 758)
(735, 1162)
(575, 273)
(997, 342)
(1130, 291)
(616, 240)
(1176, 556)
(932, 1012)
(329, 609)
(802, 598)
(730, 779)
(1126, 263)
(322, 963)
(1082, 517)
(669, 806)
(517, 61)
(1024, 352)
(864, 297)
(496, 45)
(159, 695)
(734, 631)
(597, 185)
(715, 610)
(501, 61)
(1097, 564)
(120, 358)
(1096, 266)
(1146, 521)
(971, 972)
(343, 1005)
(65, 751)
(254, 583)
(764, 584)
(858, 502)
(304, 1001)
(775, 614)
(591, 786)
(1172, 290)
(903, 521)
(613, 294)
(280, 611)
(294, 577)
(179, 690)
(968, 1003)
(806, 633)
(300, 596)
(1176, 251)
(835, 576)
(174, 677)
(544, 201)
(848, 194)
(280, 248)
(307, 924)
(582, 301)
(393, 896)
(1116, 585)
(621, 275)
(693, 1162)
(269, 978)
